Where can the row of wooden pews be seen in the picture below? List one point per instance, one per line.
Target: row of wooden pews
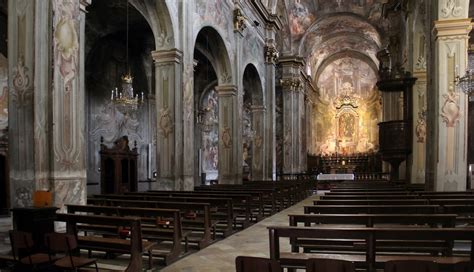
(373, 226)
(173, 221)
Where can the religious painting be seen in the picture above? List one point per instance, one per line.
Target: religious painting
(3, 93)
(347, 110)
(209, 114)
(346, 126)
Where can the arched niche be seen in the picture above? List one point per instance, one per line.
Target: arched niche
(212, 68)
(253, 114)
(105, 63)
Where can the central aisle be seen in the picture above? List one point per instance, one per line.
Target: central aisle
(252, 241)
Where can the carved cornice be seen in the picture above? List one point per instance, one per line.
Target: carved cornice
(257, 108)
(167, 56)
(270, 19)
(452, 29)
(291, 60)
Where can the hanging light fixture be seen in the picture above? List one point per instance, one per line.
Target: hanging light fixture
(126, 99)
(465, 83)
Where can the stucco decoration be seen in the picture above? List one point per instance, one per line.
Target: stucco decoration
(66, 40)
(347, 110)
(451, 8)
(450, 111)
(22, 93)
(420, 129)
(165, 123)
(226, 138)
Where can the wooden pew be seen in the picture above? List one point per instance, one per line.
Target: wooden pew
(338, 209)
(169, 230)
(370, 220)
(371, 235)
(135, 246)
(387, 197)
(200, 220)
(242, 204)
(372, 202)
(221, 209)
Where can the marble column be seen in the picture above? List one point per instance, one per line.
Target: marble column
(271, 58)
(258, 144)
(229, 161)
(447, 108)
(169, 135)
(293, 99)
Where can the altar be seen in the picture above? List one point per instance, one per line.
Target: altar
(335, 177)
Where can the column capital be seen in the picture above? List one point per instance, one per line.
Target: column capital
(452, 29)
(270, 52)
(226, 90)
(292, 84)
(167, 56)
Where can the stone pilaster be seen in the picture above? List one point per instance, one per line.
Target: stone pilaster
(67, 126)
(21, 69)
(258, 143)
(47, 119)
(447, 108)
(229, 161)
(293, 100)
(418, 159)
(271, 57)
(169, 142)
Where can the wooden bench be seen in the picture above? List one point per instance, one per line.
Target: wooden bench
(372, 202)
(372, 258)
(242, 204)
(393, 209)
(158, 225)
(371, 220)
(388, 197)
(195, 216)
(135, 246)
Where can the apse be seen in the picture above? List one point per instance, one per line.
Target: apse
(348, 109)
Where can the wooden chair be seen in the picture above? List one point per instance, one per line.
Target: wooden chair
(67, 243)
(256, 264)
(329, 265)
(411, 266)
(22, 250)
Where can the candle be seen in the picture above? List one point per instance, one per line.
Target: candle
(143, 97)
(112, 96)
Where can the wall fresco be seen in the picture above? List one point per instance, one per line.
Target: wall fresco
(3, 93)
(348, 109)
(209, 133)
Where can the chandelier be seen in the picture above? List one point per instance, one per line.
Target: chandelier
(465, 83)
(126, 100)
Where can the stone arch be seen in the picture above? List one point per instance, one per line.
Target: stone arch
(158, 17)
(210, 43)
(105, 64)
(252, 75)
(343, 54)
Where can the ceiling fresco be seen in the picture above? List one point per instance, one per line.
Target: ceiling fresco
(303, 13)
(340, 44)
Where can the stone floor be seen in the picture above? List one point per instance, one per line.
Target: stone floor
(219, 256)
(253, 241)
